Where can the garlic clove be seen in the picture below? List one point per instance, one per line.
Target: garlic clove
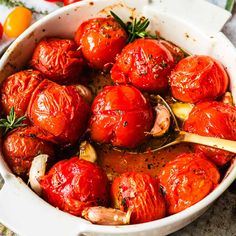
(87, 152)
(181, 110)
(162, 122)
(37, 170)
(106, 216)
(228, 98)
(84, 92)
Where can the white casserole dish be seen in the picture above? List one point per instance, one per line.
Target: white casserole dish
(193, 25)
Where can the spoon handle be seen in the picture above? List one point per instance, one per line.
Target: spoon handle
(224, 144)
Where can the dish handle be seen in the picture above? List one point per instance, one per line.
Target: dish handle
(23, 210)
(204, 16)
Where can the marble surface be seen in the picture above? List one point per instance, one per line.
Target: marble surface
(220, 219)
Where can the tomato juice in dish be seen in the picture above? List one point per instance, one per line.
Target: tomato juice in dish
(101, 88)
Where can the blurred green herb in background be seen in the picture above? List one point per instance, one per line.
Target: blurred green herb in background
(229, 5)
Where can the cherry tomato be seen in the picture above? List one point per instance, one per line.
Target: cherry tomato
(1, 31)
(20, 147)
(213, 119)
(17, 22)
(101, 40)
(139, 193)
(59, 111)
(146, 64)
(58, 59)
(67, 2)
(17, 89)
(120, 115)
(198, 78)
(186, 180)
(74, 184)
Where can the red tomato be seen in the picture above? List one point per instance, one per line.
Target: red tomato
(17, 89)
(101, 40)
(198, 78)
(59, 111)
(67, 2)
(1, 31)
(74, 184)
(145, 63)
(120, 115)
(58, 59)
(213, 119)
(186, 180)
(20, 147)
(140, 193)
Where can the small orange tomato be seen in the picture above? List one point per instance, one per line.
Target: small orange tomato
(17, 22)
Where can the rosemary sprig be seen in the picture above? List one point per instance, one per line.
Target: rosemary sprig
(17, 3)
(11, 122)
(230, 5)
(136, 29)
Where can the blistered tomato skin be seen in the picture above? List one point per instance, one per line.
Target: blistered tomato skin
(17, 89)
(214, 119)
(121, 116)
(144, 63)
(60, 111)
(139, 193)
(17, 22)
(101, 39)
(74, 184)
(198, 78)
(58, 60)
(20, 147)
(186, 180)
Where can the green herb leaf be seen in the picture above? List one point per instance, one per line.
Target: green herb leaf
(11, 122)
(229, 5)
(136, 29)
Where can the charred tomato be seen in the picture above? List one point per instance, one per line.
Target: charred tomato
(214, 119)
(186, 180)
(144, 63)
(20, 147)
(140, 194)
(17, 89)
(59, 60)
(101, 39)
(60, 111)
(121, 115)
(198, 78)
(74, 184)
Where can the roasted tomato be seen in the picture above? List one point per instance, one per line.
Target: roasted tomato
(186, 180)
(101, 40)
(58, 59)
(17, 89)
(68, 2)
(214, 119)
(1, 31)
(74, 184)
(20, 147)
(146, 64)
(120, 115)
(139, 193)
(198, 78)
(60, 111)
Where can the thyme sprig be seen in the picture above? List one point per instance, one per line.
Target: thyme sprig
(18, 3)
(11, 121)
(135, 29)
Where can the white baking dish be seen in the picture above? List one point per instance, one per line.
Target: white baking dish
(193, 25)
